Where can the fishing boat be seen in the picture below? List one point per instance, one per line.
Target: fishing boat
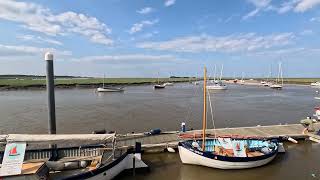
(226, 152)
(279, 80)
(217, 83)
(108, 89)
(101, 161)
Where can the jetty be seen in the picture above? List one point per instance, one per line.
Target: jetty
(160, 142)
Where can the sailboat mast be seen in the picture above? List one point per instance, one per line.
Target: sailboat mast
(281, 75)
(221, 72)
(278, 79)
(204, 116)
(215, 72)
(104, 76)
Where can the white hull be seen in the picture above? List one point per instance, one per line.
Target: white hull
(216, 87)
(276, 86)
(188, 157)
(168, 84)
(109, 90)
(159, 86)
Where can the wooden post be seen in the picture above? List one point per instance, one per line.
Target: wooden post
(204, 116)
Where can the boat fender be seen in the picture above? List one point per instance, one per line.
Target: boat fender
(292, 140)
(170, 149)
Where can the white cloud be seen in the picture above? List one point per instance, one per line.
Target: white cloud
(251, 14)
(259, 5)
(306, 32)
(139, 26)
(38, 39)
(232, 43)
(305, 5)
(286, 6)
(127, 58)
(145, 10)
(169, 2)
(293, 52)
(22, 51)
(37, 18)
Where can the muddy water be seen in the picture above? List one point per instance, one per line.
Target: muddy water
(141, 108)
(301, 162)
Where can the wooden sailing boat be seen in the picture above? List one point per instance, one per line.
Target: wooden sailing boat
(232, 152)
(108, 89)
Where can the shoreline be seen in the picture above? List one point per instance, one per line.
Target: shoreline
(29, 84)
(80, 85)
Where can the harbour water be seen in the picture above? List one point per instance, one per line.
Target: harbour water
(141, 108)
(301, 162)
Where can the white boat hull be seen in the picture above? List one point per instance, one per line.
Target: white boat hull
(216, 87)
(109, 90)
(275, 86)
(188, 157)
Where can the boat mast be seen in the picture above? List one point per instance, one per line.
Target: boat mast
(278, 79)
(281, 75)
(221, 72)
(104, 76)
(204, 116)
(215, 72)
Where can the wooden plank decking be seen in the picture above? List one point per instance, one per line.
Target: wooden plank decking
(171, 139)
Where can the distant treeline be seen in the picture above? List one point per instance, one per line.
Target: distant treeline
(22, 76)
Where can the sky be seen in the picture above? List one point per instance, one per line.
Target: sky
(144, 38)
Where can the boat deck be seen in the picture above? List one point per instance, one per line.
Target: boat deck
(156, 143)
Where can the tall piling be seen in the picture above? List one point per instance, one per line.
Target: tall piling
(50, 91)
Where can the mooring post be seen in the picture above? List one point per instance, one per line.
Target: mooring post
(50, 90)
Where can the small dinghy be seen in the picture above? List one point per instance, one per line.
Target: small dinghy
(232, 152)
(109, 89)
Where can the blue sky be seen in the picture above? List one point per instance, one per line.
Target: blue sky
(139, 38)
